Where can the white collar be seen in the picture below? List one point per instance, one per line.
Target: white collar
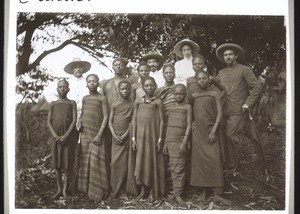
(188, 59)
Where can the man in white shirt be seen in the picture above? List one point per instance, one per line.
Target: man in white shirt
(185, 49)
(155, 61)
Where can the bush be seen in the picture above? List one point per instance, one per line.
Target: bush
(32, 136)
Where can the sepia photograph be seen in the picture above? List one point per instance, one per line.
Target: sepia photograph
(150, 111)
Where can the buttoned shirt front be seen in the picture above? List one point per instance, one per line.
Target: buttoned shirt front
(78, 90)
(242, 87)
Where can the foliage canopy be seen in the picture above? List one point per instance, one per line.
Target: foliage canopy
(133, 35)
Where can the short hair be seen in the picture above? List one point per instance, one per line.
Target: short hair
(124, 82)
(95, 75)
(198, 56)
(168, 65)
(142, 63)
(180, 86)
(203, 73)
(120, 59)
(63, 80)
(148, 78)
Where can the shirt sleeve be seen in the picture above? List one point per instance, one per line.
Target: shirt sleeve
(254, 86)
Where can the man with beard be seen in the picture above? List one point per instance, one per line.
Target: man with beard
(155, 61)
(242, 89)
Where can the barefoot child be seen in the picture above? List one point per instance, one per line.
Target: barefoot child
(61, 121)
(166, 95)
(178, 129)
(147, 142)
(92, 176)
(206, 165)
(119, 120)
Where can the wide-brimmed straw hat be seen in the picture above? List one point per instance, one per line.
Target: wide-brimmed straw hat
(194, 46)
(154, 55)
(85, 65)
(238, 50)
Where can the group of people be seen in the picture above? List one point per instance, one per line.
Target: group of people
(134, 134)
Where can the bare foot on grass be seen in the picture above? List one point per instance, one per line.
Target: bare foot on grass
(219, 198)
(179, 200)
(56, 195)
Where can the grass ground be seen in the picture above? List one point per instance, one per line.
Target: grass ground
(250, 189)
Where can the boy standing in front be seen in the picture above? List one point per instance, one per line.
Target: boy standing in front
(178, 129)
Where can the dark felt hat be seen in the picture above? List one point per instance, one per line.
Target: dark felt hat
(86, 65)
(230, 46)
(194, 46)
(154, 55)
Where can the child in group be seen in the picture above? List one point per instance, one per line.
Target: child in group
(206, 165)
(93, 175)
(193, 87)
(178, 129)
(166, 95)
(147, 142)
(119, 121)
(61, 121)
(166, 92)
(143, 70)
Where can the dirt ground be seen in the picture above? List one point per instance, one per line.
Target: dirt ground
(251, 189)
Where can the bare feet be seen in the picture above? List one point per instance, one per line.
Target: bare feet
(56, 195)
(219, 198)
(58, 184)
(150, 198)
(179, 200)
(202, 196)
(65, 194)
(141, 195)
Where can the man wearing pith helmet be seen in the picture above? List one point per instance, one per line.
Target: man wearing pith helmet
(243, 90)
(155, 61)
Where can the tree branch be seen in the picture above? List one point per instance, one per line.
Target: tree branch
(91, 51)
(45, 53)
